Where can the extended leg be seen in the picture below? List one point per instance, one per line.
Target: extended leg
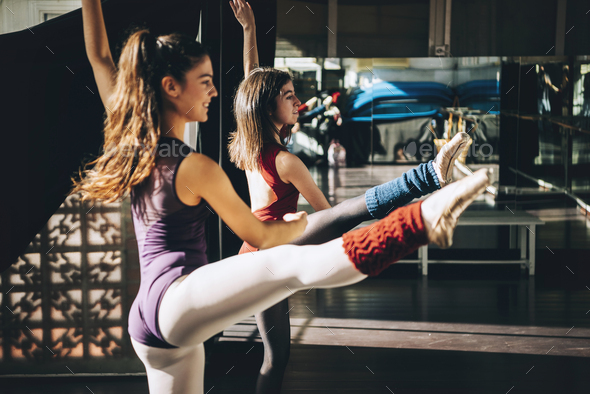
(417, 182)
(324, 226)
(215, 296)
(218, 295)
(380, 200)
(377, 202)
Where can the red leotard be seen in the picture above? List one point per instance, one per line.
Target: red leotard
(286, 195)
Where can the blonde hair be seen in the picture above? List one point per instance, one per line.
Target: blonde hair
(254, 98)
(132, 126)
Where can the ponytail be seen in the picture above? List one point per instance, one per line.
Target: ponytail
(132, 126)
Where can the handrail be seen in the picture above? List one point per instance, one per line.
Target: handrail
(548, 118)
(548, 185)
(467, 171)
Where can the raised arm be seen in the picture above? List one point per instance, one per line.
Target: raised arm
(292, 170)
(200, 177)
(97, 48)
(245, 16)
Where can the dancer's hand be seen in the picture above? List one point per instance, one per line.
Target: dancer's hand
(300, 217)
(243, 13)
(245, 16)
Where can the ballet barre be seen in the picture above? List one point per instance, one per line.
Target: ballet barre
(525, 222)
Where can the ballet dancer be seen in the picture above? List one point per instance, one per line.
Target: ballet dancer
(265, 107)
(160, 84)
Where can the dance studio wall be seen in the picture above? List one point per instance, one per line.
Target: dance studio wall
(518, 28)
(400, 28)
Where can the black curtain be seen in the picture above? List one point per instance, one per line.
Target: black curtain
(51, 113)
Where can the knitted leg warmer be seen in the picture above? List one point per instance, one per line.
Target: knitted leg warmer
(372, 249)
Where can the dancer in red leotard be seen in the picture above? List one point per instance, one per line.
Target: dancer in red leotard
(265, 107)
(285, 194)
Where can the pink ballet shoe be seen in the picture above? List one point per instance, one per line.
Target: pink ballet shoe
(445, 160)
(441, 211)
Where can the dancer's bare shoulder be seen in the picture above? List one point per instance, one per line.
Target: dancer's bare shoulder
(191, 172)
(292, 170)
(289, 165)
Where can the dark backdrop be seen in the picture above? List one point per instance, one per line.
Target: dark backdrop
(51, 112)
(52, 115)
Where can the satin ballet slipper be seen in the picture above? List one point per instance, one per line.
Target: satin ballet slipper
(445, 160)
(441, 211)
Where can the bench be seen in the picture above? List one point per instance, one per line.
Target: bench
(525, 222)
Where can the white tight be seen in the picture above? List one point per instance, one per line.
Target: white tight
(213, 297)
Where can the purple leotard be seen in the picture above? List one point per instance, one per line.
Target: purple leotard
(170, 238)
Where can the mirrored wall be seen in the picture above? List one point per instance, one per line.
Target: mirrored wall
(547, 119)
(529, 118)
(396, 111)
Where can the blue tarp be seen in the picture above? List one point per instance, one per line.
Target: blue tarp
(386, 101)
(405, 100)
(482, 94)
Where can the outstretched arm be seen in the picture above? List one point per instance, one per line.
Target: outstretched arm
(200, 177)
(245, 16)
(97, 48)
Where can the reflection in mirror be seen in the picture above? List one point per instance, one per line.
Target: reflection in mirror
(396, 110)
(551, 115)
(580, 171)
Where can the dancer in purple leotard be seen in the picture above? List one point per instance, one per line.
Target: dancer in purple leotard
(162, 83)
(170, 238)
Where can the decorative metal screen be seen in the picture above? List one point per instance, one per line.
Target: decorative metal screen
(65, 302)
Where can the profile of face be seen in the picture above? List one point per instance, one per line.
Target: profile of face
(287, 107)
(190, 100)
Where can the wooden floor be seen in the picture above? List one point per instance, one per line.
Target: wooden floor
(328, 369)
(438, 335)
(463, 329)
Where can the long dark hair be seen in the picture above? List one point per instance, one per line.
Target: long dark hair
(254, 98)
(132, 125)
